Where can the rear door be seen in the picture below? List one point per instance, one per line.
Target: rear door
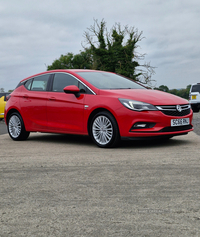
(33, 103)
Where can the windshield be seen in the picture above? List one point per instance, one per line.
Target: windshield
(106, 80)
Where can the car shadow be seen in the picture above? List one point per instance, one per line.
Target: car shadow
(61, 138)
(87, 141)
(154, 143)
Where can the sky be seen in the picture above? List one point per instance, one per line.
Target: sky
(35, 33)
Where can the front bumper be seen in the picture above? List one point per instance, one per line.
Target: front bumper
(162, 124)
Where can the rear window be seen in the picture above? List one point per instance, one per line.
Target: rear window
(195, 88)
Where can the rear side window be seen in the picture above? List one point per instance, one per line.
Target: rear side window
(38, 83)
(195, 88)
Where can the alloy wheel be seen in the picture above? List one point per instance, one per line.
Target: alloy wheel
(102, 130)
(15, 126)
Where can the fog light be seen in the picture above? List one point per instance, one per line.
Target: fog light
(141, 125)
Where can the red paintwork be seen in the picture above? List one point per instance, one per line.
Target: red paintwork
(66, 113)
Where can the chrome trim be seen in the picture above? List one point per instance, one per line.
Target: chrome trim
(32, 77)
(172, 107)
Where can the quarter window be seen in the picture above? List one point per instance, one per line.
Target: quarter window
(28, 84)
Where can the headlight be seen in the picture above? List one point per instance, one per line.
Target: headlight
(137, 105)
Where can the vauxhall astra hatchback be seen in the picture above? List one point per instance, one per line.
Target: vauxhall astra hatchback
(106, 106)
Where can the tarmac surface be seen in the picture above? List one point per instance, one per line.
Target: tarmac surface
(59, 185)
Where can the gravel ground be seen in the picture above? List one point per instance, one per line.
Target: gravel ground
(60, 186)
(196, 123)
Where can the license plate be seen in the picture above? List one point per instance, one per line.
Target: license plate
(194, 97)
(180, 122)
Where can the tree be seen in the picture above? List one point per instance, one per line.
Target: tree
(184, 93)
(163, 88)
(65, 61)
(83, 60)
(2, 90)
(110, 53)
(70, 61)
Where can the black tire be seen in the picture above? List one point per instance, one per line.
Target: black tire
(104, 130)
(16, 128)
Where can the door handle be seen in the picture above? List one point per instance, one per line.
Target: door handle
(52, 98)
(25, 96)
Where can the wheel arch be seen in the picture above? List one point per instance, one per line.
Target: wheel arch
(10, 112)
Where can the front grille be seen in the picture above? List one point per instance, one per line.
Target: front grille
(176, 129)
(171, 110)
(176, 113)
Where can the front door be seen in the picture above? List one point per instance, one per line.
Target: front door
(64, 111)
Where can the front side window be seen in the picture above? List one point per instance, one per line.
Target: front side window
(61, 80)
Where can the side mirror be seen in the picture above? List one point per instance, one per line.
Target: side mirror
(72, 90)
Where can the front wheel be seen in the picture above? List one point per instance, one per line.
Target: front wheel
(16, 128)
(104, 130)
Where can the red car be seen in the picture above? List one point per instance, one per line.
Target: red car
(106, 106)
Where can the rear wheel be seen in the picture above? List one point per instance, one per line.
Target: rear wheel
(16, 128)
(104, 130)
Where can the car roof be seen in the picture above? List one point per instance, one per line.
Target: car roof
(62, 70)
